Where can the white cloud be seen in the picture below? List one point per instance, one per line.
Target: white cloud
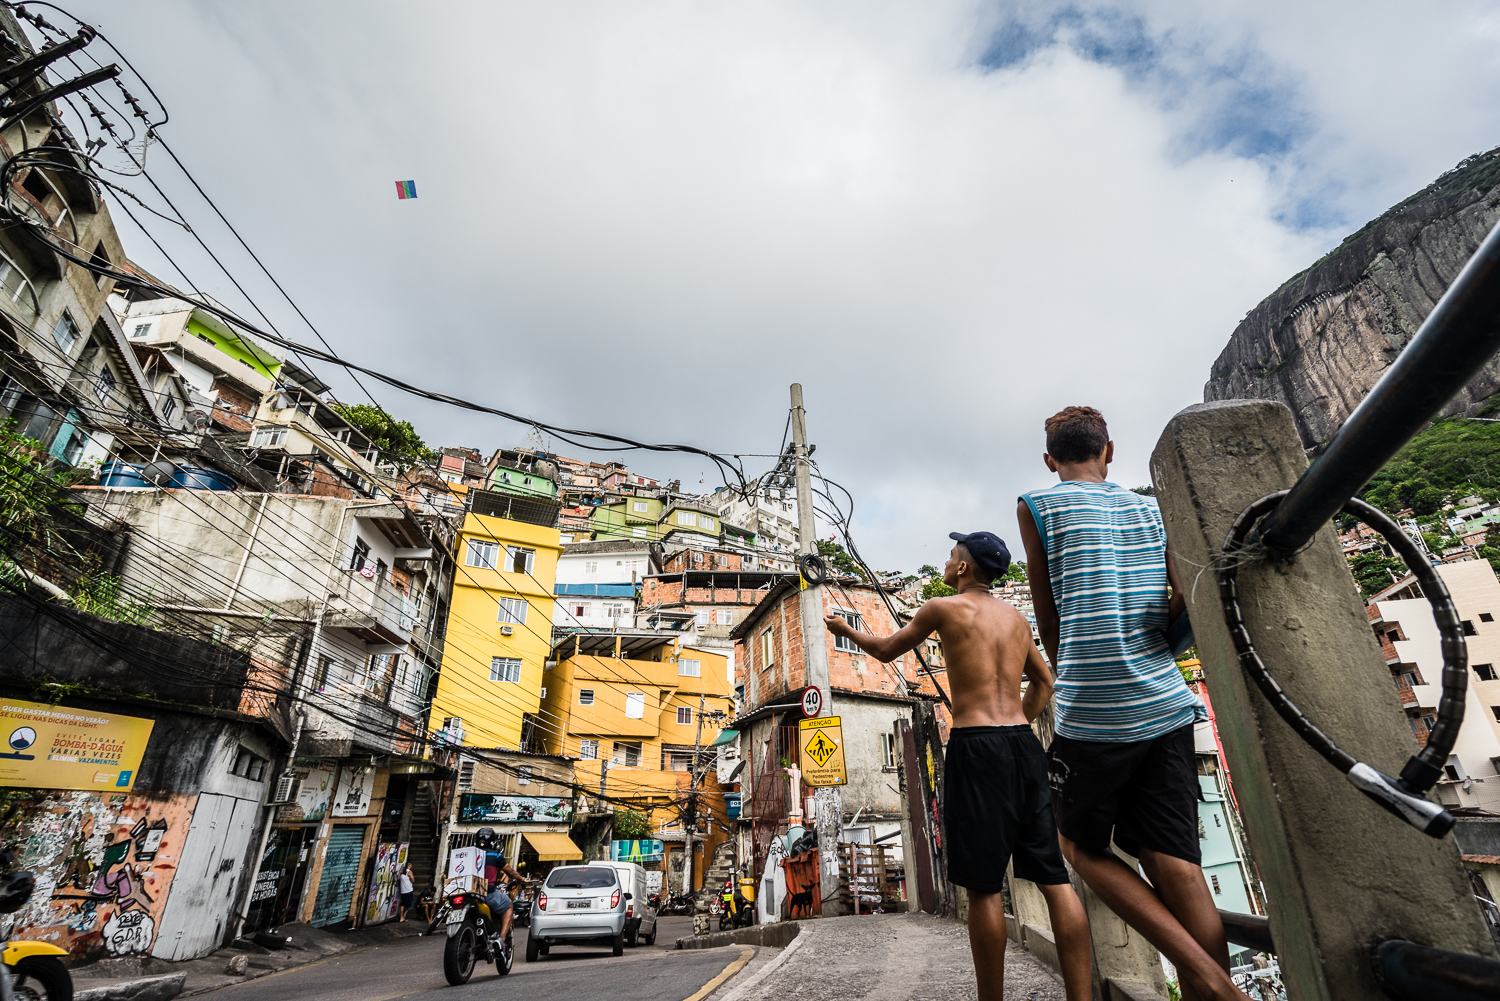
(651, 220)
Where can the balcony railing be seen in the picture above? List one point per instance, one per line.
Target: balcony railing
(370, 607)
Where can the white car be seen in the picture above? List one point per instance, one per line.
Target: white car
(578, 904)
(640, 916)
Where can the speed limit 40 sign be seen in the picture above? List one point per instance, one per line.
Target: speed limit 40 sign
(812, 703)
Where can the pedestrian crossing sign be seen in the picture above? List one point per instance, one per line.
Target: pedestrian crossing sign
(822, 746)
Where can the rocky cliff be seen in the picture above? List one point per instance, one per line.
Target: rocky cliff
(1321, 340)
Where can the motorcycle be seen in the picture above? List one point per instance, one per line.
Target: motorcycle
(735, 909)
(523, 913)
(472, 936)
(29, 971)
(680, 903)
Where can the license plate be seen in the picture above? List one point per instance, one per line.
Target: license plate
(456, 917)
(578, 904)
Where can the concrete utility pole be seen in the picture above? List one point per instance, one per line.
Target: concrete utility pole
(1339, 871)
(691, 819)
(829, 819)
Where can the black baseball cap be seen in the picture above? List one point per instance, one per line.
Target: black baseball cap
(988, 550)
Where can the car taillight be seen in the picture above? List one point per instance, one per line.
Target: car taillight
(614, 899)
(541, 901)
(458, 901)
(630, 910)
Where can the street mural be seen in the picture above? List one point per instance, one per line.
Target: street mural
(390, 859)
(104, 865)
(477, 807)
(314, 791)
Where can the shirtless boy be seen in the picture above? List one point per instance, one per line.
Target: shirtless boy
(996, 801)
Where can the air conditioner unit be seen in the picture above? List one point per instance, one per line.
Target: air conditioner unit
(285, 791)
(507, 630)
(543, 694)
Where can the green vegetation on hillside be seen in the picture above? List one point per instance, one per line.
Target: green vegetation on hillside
(1450, 460)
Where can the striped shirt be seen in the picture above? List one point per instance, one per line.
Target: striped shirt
(1106, 559)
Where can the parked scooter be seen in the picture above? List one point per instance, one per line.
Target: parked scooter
(30, 971)
(523, 913)
(737, 908)
(473, 935)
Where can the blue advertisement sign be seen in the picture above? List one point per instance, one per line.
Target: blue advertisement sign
(636, 851)
(732, 804)
(475, 807)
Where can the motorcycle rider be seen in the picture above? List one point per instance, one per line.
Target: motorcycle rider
(496, 868)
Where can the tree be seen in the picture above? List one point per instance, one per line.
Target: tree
(1372, 572)
(1146, 491)
(631, 825)
(397, 440)
(935, 588)
(1492, 554)
(1017, 573)
(839, 559)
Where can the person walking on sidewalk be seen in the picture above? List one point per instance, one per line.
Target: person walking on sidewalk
(996, 801)
(407, 888)
(1122, 764)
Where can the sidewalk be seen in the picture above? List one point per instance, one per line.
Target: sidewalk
(906, 956)
(142, 978)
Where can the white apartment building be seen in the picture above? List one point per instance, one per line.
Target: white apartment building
(596, 584)
(771, 514)
(1409, 637)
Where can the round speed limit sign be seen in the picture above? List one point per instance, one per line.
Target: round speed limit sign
(812, 703)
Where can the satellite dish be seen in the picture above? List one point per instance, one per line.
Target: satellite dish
(159, 473)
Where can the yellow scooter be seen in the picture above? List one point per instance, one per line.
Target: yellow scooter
(30, 971)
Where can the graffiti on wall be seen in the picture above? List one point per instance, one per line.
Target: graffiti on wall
(104, 865)
(390, 859)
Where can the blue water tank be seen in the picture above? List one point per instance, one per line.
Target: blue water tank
(121, 474)
(201, 478)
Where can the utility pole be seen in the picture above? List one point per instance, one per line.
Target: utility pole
(829, 816)
(691, 818)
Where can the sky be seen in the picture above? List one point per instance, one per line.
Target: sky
(946, 220)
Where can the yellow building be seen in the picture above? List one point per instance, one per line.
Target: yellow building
(499, 633)
(633, 698)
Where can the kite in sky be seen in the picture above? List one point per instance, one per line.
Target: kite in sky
(406, 189)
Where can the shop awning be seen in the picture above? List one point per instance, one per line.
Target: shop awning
(554, 847)
(725, 737)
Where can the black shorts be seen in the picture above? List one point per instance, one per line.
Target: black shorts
(996, 804)
(1144, 794)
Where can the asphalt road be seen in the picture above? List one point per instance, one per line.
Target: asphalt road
(413, 967)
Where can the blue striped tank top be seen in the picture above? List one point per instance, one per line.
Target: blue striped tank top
(1106, 559)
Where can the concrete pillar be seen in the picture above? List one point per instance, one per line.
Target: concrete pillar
(1338, 870)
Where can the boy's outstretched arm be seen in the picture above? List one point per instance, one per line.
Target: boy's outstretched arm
(1040, 690)
(1042, 602)
(887, 648)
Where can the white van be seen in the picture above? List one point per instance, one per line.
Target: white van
(640, 916)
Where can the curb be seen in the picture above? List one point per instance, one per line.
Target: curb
(774, 936)
(162, 988)
(743, 989)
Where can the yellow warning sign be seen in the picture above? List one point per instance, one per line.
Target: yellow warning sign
(823, 752)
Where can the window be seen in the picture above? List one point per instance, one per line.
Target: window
(843, 642)
(523, 775)
(519, 559)
(268, 437)
(1214, 879)
(724, 617)
(168, 409)
(36, 185)
(99, 259)
(380, 569)
(10, 393)
(1486, 672)
(706, 521)
(141, 330)
(580, 611)
(361, 554)
(635, 705)
(700, 618)
(104, 384)
(1451, 772)
(465, 774)
(513, 610)
(639, 532)
(65, 333)
(592, 566)
(505, 669)
(1486, 617)
(627, 754)
(888, 752)
(687, 518)
(248, 765)
(639, 507)
(689, 668)
(1431, 721)
(680, 761)
(482, 554)
(1493, 709)
(585, 696)
(614, 611)
(684, 716)
(1469, 629)
(766, 649)
(321, 678)
(588, 750)
(1409, 679)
